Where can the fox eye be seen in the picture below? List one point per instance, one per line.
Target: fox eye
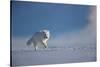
(45, 36)
(43, 32)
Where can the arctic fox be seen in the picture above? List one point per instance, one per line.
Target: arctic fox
(39, 38)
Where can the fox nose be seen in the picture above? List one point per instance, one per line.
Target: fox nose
(45, 36)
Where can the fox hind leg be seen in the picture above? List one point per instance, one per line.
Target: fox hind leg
(35, 46)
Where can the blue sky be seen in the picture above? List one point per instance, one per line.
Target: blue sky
(29, 17)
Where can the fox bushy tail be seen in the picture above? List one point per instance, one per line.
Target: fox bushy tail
(29, 41)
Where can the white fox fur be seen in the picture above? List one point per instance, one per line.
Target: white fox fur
(39, 38)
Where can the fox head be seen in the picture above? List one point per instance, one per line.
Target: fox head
(46, 33)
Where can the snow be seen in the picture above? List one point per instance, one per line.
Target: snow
(54, 55)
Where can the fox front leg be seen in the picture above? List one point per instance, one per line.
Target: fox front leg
(44, 44)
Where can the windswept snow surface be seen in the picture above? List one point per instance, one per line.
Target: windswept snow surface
(54, 55)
